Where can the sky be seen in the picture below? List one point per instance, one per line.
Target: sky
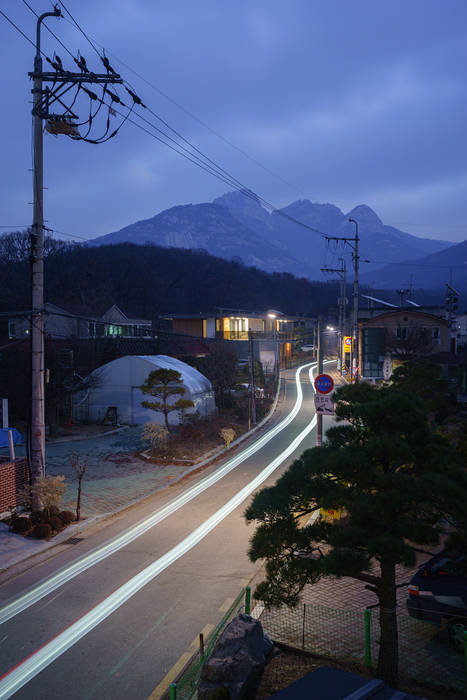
(345, 101)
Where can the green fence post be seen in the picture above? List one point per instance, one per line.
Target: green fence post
(367, 638)
(173, 691)
(465, 650)
(247, 600)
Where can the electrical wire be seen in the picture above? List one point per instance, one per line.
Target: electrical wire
(207, 164)
(17, 28)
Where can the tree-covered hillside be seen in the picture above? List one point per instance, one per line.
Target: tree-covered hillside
(147, 280)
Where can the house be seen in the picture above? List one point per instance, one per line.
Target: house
(391, 337)
(71, 321)
(271, 331)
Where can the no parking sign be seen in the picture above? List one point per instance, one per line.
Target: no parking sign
(324, 384)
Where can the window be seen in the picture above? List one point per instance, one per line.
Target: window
(401, 332)
(11, 329)
(435, 331)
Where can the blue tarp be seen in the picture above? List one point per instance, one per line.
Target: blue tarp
(17, 438)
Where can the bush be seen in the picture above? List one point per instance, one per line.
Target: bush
(227, 434)
(20, 525)
(42, 530)
(66, 516)
(40, 516)
(55, 522)
(157, 435)
(49, 491)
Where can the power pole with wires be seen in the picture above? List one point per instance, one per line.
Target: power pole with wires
(353, 243)
(341, 302)
(62, 81)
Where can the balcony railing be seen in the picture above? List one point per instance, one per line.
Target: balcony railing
(257, 335)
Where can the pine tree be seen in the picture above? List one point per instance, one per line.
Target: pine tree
(164, 384)
(397, 483)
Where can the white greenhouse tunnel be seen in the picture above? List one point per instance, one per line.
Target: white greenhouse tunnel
(118, 385)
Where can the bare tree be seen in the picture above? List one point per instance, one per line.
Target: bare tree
(80, 464)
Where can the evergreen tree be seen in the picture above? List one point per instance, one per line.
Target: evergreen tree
(397, 483)
(164, 384)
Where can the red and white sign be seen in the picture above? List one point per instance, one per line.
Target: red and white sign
(324, 384)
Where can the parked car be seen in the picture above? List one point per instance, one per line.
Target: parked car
(439, 589)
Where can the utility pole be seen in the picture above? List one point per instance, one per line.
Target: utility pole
(353, 243)
(356, 258)
(342, 301)
(319, 417)
(252, 378)
(62, 81)
(37, 273)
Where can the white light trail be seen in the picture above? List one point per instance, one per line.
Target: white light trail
(94, 557)
(23, 672)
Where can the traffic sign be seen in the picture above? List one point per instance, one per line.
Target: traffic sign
(324, 405)
(347, 343)
(324, 384)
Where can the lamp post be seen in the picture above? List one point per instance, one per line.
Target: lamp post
(356, 258)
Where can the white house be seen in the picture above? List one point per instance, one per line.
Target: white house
(117, 384)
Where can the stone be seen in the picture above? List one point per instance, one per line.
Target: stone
(237, 661)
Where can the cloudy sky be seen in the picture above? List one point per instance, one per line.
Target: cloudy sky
(341, 101)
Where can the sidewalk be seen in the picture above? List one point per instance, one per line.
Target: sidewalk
(114, 480)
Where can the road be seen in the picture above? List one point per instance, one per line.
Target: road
(125, 615)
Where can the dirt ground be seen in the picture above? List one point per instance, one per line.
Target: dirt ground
(289, 666)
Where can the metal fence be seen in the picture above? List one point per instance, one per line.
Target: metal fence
(426, 651)
(187, 682)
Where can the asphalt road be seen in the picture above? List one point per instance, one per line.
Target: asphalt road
(191, 566)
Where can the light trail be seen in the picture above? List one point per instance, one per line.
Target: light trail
(36, 662)
(94, 557)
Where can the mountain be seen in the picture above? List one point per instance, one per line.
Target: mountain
(429, 272)
(236, 225)
(208, 227)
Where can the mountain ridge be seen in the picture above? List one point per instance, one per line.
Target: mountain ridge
(235, 226)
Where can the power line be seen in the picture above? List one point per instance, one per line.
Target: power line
(208, 165)
(194, 117)
(415, 264)
(17, 28)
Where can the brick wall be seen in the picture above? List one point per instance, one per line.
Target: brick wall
(13, 477)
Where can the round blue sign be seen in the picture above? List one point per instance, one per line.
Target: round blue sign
(324, 384)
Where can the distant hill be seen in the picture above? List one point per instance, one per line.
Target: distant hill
(235, 226)
(147, 281)
(429, 272)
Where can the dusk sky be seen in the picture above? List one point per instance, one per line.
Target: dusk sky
(340, 101)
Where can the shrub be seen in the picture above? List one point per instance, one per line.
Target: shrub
(42, 530)
(54, 510)
(157, 435)
(55, 522)
(49, 491)
(227, 434)
(40, 516)
(66, 516)
(20, 524)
